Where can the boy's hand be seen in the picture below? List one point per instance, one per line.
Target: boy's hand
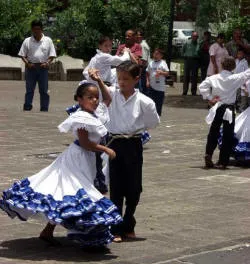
(94, 74)
(214, 100)
(110, 153)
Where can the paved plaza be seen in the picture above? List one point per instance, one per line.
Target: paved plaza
(186, 214)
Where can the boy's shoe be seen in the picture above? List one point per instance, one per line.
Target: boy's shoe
(208, 162)
(130, 235)
(27, 107)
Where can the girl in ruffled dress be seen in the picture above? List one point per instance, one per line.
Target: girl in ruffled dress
(64, 192)
(241, 149)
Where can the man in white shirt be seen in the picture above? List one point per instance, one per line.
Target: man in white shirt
(37, 52)
(145, 59)
(220, 89)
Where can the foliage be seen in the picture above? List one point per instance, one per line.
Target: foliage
(80, 26)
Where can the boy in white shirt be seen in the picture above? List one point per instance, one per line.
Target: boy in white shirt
(103, 61)
(131, 112)
(222, 95)
(241, 66)
(157, 71)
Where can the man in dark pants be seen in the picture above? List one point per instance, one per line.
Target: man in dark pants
(191, 64)
(37, 52)
(204, 54)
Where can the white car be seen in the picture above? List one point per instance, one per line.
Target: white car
(181, 36)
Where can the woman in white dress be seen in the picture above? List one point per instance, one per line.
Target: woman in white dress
(64, 192)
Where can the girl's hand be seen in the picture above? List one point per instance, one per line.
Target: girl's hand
(94, 74)
(111, 153)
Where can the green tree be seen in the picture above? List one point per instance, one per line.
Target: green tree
(80, 26)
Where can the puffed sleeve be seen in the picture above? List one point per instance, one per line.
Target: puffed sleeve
(83, 120)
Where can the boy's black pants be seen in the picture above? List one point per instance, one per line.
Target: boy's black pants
(227, 138)
(126, 180)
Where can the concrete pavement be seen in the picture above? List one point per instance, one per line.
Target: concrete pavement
(186, 214)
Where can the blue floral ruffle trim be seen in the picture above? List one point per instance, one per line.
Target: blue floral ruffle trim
(240, 151)
(76, 212)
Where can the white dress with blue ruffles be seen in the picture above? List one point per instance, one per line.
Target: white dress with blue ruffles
(241, 149)
(64, 192)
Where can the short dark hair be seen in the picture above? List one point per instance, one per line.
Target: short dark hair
(160, 51)
(82, 89)
(228, 63)
(241, 49)
(221, 36)
(134, 33)
(104, 39)
(37, 23)
(141, 32)
(132, 68)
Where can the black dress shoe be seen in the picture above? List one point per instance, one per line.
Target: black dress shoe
(208, 162)
(44, 109)
(27, 107)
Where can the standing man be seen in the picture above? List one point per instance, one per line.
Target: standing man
(135, 48)
(145, 59)
(204, 54)
(237, 43)
(191, 64)
(37, 52)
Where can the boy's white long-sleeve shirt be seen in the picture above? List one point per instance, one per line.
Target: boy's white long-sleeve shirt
(224, 85)
(103, 62)
(131, 116)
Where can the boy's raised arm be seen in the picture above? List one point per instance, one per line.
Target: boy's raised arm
(94, 75)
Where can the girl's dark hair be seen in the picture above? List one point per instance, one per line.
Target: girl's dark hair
(82, 89)
(132, 68)
(104, 39)
(37, 23)
(221, 36)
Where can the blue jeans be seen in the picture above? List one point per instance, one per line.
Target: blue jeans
(32, 76)
(158, 98)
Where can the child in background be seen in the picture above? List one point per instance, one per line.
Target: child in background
(103, 61)
(157, 71)
(131, 112)
(241, 66)
(64, 192)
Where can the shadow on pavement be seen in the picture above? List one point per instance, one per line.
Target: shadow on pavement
(37, 250)
(187, 101)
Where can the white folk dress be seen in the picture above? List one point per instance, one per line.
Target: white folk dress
(241, 150)
(64, 192)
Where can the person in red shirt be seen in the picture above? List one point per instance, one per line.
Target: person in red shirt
(130, 42)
